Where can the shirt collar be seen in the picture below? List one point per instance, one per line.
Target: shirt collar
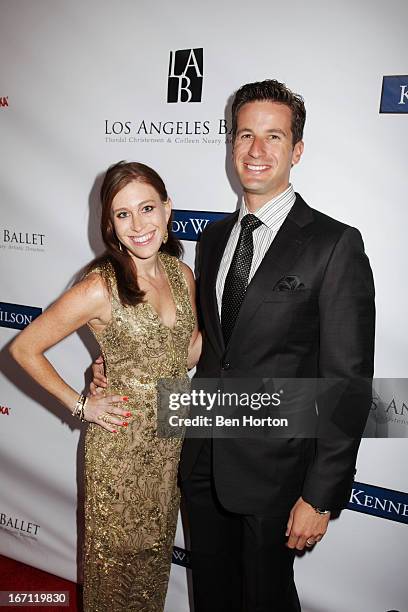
(274, 210)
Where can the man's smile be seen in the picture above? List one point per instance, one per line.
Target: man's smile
(256, 167)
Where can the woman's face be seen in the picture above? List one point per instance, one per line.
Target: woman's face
(140, 219)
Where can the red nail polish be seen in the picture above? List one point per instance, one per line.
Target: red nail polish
(125, 399)
(128, 414)
(114, 431)
(125, 424)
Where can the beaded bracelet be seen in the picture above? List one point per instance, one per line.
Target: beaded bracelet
(79, 410)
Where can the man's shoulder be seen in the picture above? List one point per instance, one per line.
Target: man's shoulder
(322, 223)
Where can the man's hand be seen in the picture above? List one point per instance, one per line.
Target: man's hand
(305, 525)
(99, 381)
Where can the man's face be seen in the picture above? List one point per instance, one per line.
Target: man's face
(263, 152)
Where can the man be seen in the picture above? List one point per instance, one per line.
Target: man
(285, 292)
(251, 502)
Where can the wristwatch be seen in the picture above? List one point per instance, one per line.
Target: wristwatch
(319, 510)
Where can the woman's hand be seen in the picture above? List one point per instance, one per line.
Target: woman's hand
(99, 381)
(107, 411)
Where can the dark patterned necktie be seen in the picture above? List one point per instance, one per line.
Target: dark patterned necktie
(236, 281)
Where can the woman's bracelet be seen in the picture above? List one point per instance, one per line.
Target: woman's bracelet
(79, 410)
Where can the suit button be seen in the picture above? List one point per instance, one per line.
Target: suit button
(225, 365)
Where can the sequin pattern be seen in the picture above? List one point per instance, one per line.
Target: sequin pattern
(132, 497)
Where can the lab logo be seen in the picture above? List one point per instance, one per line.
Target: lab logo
(389, 410)
(394, 94)
(185, 79)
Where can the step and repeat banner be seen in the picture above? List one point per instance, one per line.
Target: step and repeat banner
(84, 85)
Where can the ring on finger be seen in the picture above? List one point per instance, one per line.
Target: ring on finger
(105, 417)
(310, 542)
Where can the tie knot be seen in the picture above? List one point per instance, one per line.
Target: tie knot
(250, 222)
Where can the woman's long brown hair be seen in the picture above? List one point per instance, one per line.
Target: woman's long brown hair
(116, 178)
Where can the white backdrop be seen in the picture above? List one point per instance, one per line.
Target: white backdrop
(69, 71)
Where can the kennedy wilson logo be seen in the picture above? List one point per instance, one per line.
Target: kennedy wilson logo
(17, 316)
(180, 557)
(377, 501)
(189, 224)
(4, 101)
(394, 94)
(185, 78)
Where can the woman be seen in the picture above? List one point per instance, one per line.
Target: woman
(138, 300)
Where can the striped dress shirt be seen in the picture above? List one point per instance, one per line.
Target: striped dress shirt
(272, 214)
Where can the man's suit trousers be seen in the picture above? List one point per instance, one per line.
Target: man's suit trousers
(240, 563)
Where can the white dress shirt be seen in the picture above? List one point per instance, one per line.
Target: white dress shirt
(272, 214)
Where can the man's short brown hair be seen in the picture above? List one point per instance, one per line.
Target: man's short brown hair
(271, 91)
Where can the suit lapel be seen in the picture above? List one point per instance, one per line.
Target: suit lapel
(291, 239)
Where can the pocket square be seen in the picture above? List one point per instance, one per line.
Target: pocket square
(289, 283)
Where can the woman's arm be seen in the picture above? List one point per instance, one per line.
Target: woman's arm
(86, 302)
(194, 349)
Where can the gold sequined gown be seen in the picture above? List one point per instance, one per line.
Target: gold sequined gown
(132, 498)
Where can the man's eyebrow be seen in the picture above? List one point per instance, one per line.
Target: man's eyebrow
(244, 130)
(270, 131)
(277, 131)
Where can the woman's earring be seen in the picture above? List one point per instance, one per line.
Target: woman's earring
(165, 237)
(120, 246)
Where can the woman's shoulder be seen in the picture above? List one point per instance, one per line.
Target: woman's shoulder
(187, 271)
(101, 266)
(99, 275)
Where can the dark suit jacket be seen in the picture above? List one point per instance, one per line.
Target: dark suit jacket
(325, 328)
